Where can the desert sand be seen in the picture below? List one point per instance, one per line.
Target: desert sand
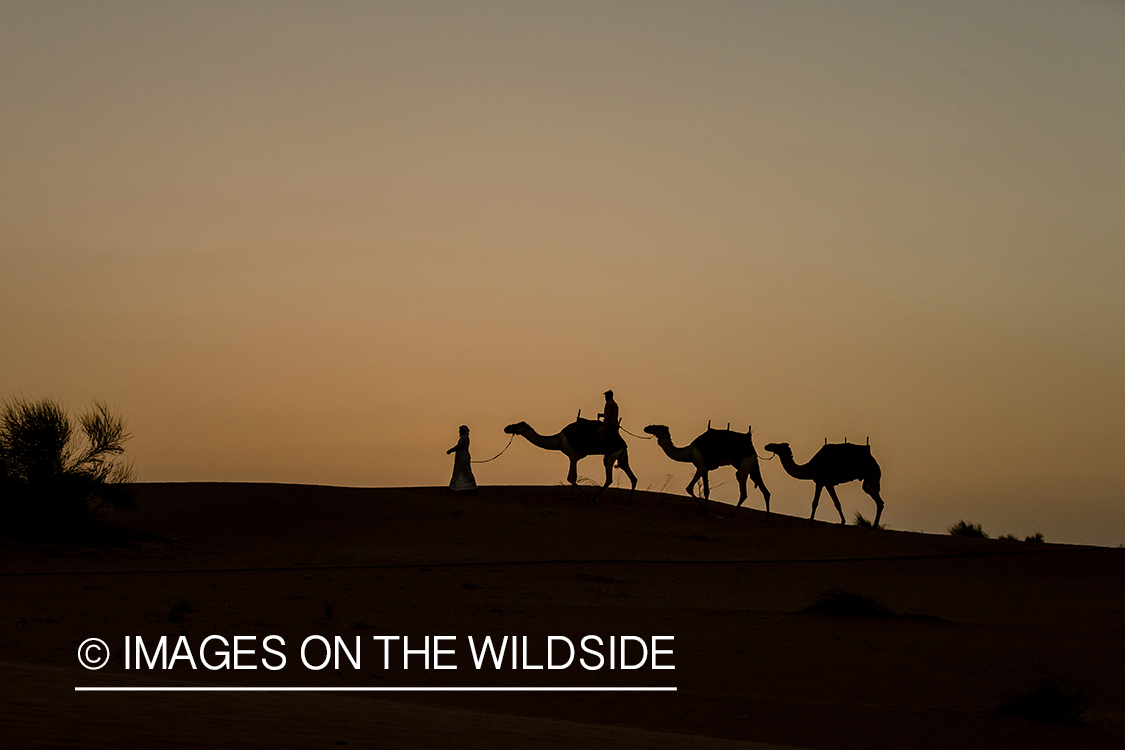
(977, 622)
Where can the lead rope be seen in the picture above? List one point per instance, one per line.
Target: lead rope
(498, 455)
(639, 437)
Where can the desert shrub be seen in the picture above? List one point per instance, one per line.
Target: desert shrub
(863, 523)
(1048, 700)
(178, 609)
(1014, 538)
(54, 475)
(964, 528)
(849, 604)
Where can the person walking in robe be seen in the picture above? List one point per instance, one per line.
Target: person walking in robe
(463, 480)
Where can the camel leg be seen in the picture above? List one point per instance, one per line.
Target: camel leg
(623, 462)
(836, 500)
(608, 463)
(815, 501)
(691, 485)
(871, 487)
(572, 475)
(741, 477)
(755, 473)
(749, 468)
(704, 501)
(621, 458)
(878, 507)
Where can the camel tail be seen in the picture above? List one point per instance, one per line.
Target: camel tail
(871, 485)
(756, 475)
(872, 473)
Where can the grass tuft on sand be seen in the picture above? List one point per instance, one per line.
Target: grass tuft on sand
(964, 528)
(863, 523)
(1048, 700)
(849, 604)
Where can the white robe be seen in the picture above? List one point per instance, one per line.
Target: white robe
(463, 480)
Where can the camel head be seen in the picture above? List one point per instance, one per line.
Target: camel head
(518, 428)
(782, 449)
(659, 431)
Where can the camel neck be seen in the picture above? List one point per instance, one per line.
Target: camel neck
(792, 468)
(549, 442)
(673, 452)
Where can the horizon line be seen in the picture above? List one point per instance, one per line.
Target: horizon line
(393, 689)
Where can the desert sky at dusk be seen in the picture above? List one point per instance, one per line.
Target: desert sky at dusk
(303, 242)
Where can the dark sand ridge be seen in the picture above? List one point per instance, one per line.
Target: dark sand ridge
(255, 559)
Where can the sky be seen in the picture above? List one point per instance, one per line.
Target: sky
(303, 242)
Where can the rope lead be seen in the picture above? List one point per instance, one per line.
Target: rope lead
(501, 453)
(639, 437)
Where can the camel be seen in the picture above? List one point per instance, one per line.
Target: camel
(833, 464)
(578, 440)
(709, 451)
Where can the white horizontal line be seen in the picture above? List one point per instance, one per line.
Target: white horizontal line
(373, 689)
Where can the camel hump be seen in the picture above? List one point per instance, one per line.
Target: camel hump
(848, 461)
(722, 447)
(581, 431)
(582, 435)
(845, 450)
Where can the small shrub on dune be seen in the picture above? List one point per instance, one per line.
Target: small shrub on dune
(839, 602)
(964, 528)
(1047, 700)
(1014, 538)
(54, 475)
(849, 604)
(586, 487)
(863, 523)
(178, 610)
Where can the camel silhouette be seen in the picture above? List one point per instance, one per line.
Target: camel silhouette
(709, 451)
(578, 440)
(833, 464)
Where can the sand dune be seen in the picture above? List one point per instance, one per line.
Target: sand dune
(982, 619)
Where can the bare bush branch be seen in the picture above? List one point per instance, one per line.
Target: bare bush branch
(52, 478)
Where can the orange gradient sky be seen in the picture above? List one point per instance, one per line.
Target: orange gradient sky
(303, 242)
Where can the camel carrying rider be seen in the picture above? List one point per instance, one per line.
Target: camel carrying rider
(610, 418)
